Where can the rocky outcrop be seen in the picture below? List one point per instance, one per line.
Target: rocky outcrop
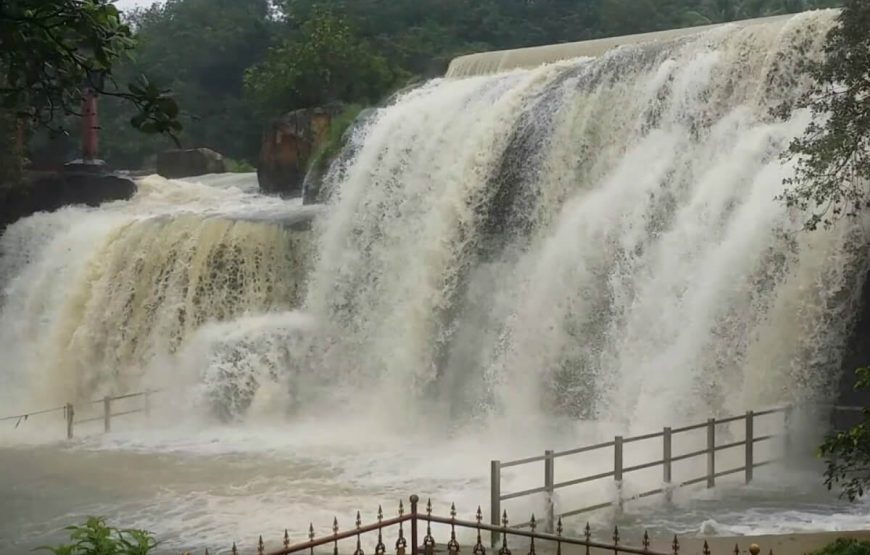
(48, 191)
(288, 146)
(175, 164)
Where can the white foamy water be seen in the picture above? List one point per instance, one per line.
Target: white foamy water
(507, 263)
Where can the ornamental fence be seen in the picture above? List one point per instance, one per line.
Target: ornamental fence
(408, 526)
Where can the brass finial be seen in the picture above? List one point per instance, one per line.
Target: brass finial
(754, 549)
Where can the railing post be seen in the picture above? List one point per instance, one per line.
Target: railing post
(787, 424)
(549, 483)
(70, 419)
(107, 414)
(667, 455)
(617, 469)
(750, 445)
(711, 452)
(414, 542)
(495, 499)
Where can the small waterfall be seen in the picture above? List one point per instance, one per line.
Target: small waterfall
(95, 297)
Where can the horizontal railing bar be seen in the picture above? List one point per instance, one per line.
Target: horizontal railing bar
(344, 535)
(642, 466)
(763, 438)
(693, 481)
(29, 414)
(527, 524)
(730, 419)
(94, 419)
(770, 411)
(648, 493)
(584, 449)
(846, 408)
(642, 438)
(764, 463)
(731, 445)
(728, 472)
(586, 510)
(689, 428)
(523, 493)
(583, 480)
(536, 535)
(685, 456)
(130, 396)
(125, 413)
(519, 462)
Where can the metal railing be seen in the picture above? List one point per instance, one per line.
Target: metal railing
(108, 403)
(619, 470)
(428, 545)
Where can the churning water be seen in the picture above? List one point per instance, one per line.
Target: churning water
(505, 263)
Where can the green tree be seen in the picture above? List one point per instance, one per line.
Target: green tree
(833, 156)
(848, 453)
(201, 49)
(51, 50)
(325, 61)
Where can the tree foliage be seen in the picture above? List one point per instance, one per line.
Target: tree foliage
(833, 157)
(51, 50)
(848, 453)
(325, 61)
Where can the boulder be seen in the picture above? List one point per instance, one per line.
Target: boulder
(288, 146)
(48, 191)
(175, 164)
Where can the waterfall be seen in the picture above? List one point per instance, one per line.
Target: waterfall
(596, 238)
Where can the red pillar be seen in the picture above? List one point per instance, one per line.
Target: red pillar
(90, 125)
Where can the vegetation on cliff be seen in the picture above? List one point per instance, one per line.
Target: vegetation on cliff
(236, 63)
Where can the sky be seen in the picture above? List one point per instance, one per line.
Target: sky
(127, 4)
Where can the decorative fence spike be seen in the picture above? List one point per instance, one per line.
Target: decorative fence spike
(453, 545)
(311, 536)
(533, 525)
(261, 547)
(380, 548)
(429, 540)
(359, 549)
(234, 551)
(645, 542)
(206, 551)
(504, 545)
(335, 533)
(736, 549)
(616, 540)
(587, 533)
(676, 546)
(401, 543)
(559, 533)
(706, 550)
(479, 549)
(286, 538)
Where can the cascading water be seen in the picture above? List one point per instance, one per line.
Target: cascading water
(593, 241)
(598, 237)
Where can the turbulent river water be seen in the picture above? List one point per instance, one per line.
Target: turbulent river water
(505, 263)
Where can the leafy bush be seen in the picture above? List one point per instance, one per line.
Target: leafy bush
(335, 138)
(95, 537)
(238, 166)
(845, 546)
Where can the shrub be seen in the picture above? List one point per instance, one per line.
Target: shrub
(95, 537)
(845, 546)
